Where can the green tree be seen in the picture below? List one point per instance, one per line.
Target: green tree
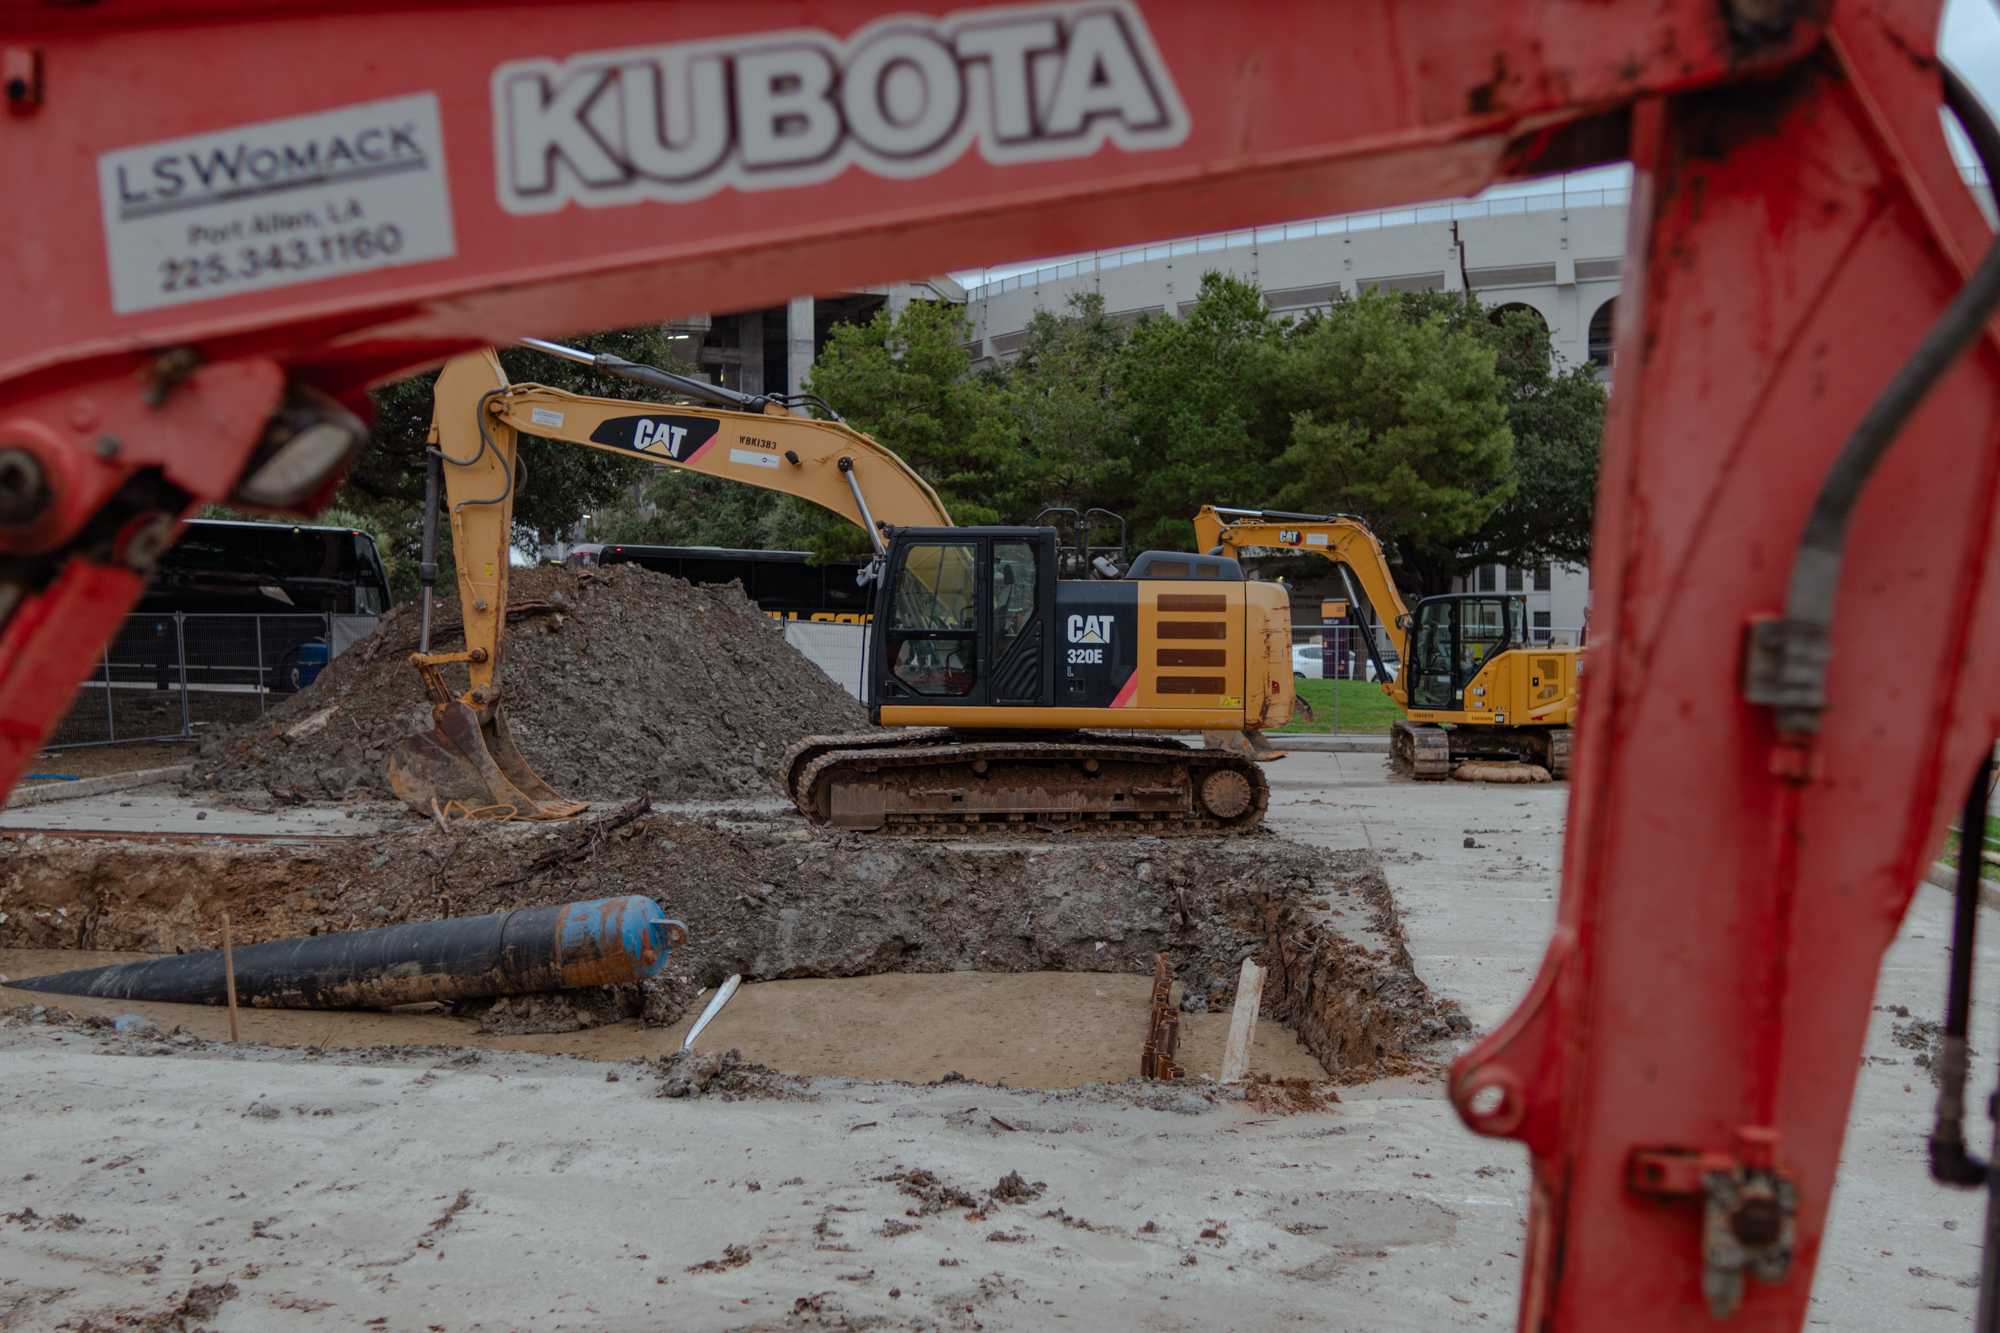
(688, 509)
(905, 382)
(1399, 415)
(1195, 393)
(1062, 395)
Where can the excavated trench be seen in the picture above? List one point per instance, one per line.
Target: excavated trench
(1026, 963)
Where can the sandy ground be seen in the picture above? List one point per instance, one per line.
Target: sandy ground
(1023, 1030)
(461, 1190)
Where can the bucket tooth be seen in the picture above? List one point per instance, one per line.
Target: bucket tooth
(476, 764)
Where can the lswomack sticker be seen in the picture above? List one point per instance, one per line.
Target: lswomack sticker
(276, 203)
(903, 97)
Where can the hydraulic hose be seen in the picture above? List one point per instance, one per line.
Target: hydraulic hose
(1951, 1164)
(1798, 689)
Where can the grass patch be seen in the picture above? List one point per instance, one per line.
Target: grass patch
(1362, 707)
(1950, 854)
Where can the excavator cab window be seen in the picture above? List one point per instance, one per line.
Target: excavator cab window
(1482, 632)
(934, 619)
(1454, 638)
(965, 616)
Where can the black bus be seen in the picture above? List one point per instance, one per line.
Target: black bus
(783, 584)
(238, 607)
(228, 567)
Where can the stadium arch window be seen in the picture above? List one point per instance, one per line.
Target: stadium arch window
(1600, 334)
(1499, 313)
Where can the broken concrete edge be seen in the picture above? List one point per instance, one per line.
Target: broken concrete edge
(70, 791)
(1357, 742)
(1362, 1013)
(1946, 877)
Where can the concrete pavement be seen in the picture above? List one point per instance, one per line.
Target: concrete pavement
(1900, 1250)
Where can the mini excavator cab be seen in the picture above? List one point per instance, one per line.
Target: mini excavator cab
(1453, 636)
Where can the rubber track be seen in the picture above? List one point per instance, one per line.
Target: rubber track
(898, 754)
(793, 766)
(1423, 751)
(1559, 753)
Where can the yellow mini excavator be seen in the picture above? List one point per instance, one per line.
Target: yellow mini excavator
(1021, 691)
(1470, 682)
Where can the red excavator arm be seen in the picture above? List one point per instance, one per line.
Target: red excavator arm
(218, 213)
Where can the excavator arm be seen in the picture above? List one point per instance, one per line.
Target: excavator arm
(1341, 538)
(477, 417)
(1804, 345)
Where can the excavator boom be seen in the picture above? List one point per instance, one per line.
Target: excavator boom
(1802, 351)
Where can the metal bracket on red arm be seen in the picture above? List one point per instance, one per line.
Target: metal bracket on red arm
(1749, 1204)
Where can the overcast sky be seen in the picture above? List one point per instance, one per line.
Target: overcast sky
(1969, 38)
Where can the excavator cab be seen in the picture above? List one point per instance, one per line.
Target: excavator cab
(1452, 637)
(963, 617)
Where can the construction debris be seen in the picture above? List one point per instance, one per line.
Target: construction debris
(1243, 1023)
(1163, 1033)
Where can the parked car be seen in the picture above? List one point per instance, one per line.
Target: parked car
(1309, 662)
(298, 667)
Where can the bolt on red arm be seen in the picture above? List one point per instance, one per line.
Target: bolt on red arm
(202, 252)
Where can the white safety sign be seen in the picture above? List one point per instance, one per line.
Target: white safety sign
(276, 203)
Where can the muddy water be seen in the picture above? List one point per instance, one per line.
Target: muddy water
(1029, 1029)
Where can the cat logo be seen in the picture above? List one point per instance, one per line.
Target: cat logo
(651, 436)
(1090, 629)
(1289, 536)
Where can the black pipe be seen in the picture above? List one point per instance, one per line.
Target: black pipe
(605, 942)
(1951, 1164)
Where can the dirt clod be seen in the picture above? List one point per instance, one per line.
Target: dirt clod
(733, 1256)
(616, 681)
(1013, 1189)
(1287, 1096)
(724, 1074)
(932, 1194)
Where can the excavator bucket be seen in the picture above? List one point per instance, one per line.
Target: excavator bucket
(475, 765)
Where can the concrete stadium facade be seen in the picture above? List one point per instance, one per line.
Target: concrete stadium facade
(1558, 254)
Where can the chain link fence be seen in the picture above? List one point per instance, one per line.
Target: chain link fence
(173, 675)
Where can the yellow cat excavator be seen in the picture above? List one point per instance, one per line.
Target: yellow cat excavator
(1016, 684)
(1470, 681)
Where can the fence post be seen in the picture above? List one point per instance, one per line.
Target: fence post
(257, 630)
(110, 718)
(1339, 637)
(180, 651)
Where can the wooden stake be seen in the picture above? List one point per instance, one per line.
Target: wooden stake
(229, 973)
(1243, 1023)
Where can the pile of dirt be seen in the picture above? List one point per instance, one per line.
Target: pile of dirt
(618, 682)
